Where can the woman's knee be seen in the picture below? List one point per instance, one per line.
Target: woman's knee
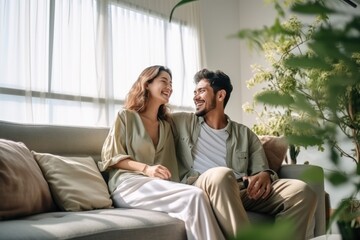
(196, 194)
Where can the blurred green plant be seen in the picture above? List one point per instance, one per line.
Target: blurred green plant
(312, 87)
(311, 90)
(282, 231)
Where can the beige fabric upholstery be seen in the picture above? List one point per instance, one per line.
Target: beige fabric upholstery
(275, 149)
(75, 182)
(23, 189)
(108, 224)
(60, 140)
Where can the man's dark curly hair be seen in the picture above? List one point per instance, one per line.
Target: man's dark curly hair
(218, 80)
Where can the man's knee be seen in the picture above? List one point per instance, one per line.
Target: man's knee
(309, 195)
(218, 182)
(303, 192)
(219, 176)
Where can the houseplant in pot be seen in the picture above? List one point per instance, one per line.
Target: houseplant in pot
(311, 91)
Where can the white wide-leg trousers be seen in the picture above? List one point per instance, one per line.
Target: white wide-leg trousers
(185, 202)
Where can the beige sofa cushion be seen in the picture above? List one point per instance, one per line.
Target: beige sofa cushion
(275, 150)
(75, 182)
(23, 189)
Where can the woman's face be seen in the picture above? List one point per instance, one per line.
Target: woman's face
(160, 89)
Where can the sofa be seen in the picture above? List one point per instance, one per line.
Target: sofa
(51, 189)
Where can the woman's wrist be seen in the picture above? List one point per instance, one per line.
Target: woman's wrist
(145, 169)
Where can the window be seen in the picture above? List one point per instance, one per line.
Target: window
(71, 62)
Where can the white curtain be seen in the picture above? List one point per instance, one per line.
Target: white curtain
(71, 62)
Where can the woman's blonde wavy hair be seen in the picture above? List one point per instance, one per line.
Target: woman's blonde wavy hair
(138, 96)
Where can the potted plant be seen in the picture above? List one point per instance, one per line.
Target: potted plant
(349, 219)
(311, 91)
(307, 72)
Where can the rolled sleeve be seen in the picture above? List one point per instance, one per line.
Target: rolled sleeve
(113, 150)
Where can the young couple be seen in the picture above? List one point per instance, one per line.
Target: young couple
(213, 156)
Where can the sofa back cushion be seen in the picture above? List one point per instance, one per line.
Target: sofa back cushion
(23, 189)
(75, 182)
(275, 150)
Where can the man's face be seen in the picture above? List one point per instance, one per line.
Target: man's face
(204, 98)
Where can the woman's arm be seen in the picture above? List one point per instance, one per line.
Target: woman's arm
(115, 155)
(151, 171)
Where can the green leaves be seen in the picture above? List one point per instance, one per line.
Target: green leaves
(311, 8)
(337, 178)
(305, 140)
(295, 101)
(312, 175)
(303, 105)
(311, 91)
(258, 36)
(283, 230)
(274, 98)
(307, 62)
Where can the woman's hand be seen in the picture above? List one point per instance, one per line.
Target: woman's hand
(158, 171)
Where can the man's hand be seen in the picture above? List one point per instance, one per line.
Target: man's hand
(259, 185)
(158, 171)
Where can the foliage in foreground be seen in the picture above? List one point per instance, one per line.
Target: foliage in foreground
(312, 87)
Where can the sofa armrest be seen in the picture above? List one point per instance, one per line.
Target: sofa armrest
(316, 182)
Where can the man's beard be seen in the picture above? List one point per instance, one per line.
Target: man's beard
(203, 112)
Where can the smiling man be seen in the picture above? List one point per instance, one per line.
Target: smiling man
(226, 159)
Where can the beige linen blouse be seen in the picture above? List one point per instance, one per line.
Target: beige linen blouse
(128, 139)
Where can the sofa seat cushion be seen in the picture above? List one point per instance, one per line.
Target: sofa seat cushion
(23, 189)
(259, 218)
(117, 223)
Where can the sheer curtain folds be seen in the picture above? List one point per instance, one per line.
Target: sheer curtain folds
(71, 62)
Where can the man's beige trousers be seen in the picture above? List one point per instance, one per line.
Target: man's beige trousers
(290, 200)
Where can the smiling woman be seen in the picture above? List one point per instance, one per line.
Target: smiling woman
(71, 62)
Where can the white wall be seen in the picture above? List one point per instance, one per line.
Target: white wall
(220, 19)
(223, 18)
(253, 15)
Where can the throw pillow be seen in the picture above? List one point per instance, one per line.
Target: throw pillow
(23, 189)
(275, 150)
(75, 182)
